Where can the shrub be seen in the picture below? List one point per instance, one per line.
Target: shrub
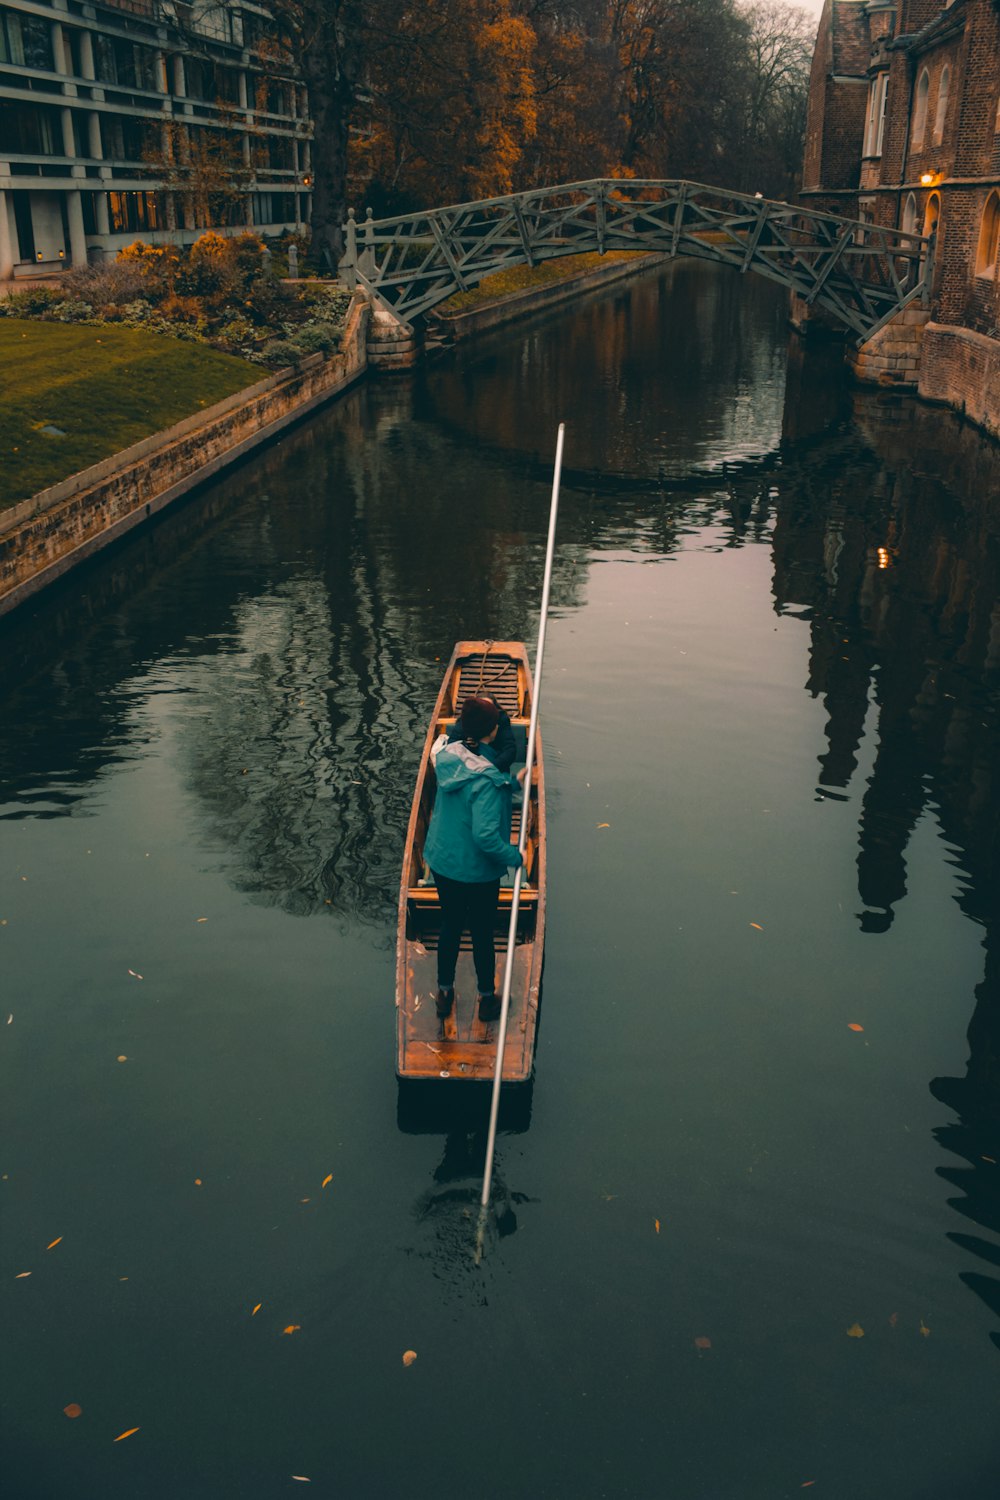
(316, 338)
(180, 309)
(237, 331)
(110, 283)
(73, 311)
(278, 352)
(32, 302)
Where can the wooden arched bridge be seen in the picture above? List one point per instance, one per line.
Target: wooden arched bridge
(862, 274)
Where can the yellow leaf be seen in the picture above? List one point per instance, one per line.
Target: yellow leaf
(757, 925)
(292, 1328)
(21, 1275)
(327, 1179)
(54, 1243)
(656, 1225)
(604, 825)
(855, 1331)
(122, 1057)
(197, 1182)
(409, 1356)
(305, 1200)
(201, 919)
(257, 1309)
(127, 1433)
(854, 1026)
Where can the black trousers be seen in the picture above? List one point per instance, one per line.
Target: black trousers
(471, 908)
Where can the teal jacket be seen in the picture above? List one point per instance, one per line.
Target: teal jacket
(469, 836)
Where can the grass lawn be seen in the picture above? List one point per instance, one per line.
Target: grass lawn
(527, 278)
(105, 388)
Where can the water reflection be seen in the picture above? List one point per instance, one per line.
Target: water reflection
(897, 569)
(282, 637)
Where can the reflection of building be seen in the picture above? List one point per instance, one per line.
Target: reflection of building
(105, 109)
(904, 130)
(899, 577)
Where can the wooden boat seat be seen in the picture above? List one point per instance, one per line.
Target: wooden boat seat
(491, 674)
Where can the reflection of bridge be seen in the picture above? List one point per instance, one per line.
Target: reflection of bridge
(862, 274)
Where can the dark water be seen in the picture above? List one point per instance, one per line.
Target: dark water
(774, 670)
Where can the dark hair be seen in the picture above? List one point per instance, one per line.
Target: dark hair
(480, 717)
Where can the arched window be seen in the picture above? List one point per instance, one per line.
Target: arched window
(909, 224)
(920, 107)
(944, 84)
(989, 235)
(932, 213)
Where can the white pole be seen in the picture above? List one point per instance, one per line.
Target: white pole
(526, 807)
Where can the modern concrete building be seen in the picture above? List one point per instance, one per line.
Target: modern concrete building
(150, 119)
(903, 129)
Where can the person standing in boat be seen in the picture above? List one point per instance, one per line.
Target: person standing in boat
(468, 849)
(502, 747)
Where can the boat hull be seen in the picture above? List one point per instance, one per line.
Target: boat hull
(462, 1047)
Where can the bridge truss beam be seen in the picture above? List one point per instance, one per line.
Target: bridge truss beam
(863, 274)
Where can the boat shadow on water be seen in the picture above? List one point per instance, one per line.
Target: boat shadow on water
(450, 1206)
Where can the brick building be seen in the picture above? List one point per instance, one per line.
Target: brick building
(151, 118)
(903, 129)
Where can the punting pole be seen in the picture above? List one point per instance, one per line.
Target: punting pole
(522, 837)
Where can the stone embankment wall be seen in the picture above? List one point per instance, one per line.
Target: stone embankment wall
(460, 325)
(962, 367)
(893, 355)
(43, 537)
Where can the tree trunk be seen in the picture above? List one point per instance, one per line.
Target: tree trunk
(330, 114)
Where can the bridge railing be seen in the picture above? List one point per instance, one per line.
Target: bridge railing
(862, 273)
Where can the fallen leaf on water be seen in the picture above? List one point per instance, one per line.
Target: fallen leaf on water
(201, 919)
(604, 825)
(257, 1309)
(656, 1225)
(991, 1159)
(806, 1483)
(419, 948)
(21, 1275)
(121, 1057)
(327, 1179)
(924, 1329)
(302, 1478)
(134, 976)
(72, 1410)
(305, 1200)
(893, 1319)
(197, 1182)
(409, 1356)
(54, 1243)
(292, 1328)
(701, 1342)
(127, 1433)
(757, 925)
(10, 1018)
(854, 1026)
(855, 1331)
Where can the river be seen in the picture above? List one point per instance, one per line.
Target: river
(747, 1232)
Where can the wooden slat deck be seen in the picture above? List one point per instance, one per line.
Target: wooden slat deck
(463, 1047)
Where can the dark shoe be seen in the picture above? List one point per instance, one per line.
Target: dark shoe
(489, 1007)
(444, 1002)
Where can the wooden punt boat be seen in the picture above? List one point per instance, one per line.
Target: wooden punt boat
(462, 1046)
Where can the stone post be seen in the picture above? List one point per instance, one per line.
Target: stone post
(77, 235)
(6, 239)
